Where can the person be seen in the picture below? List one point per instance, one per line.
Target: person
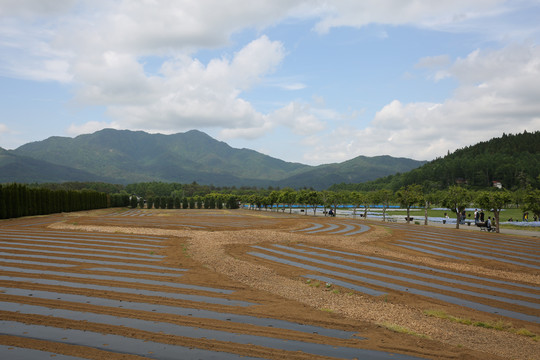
(476, 216)
(446, 217)
(331, 212)
(526, 216)
(481, 215)
(488, 223)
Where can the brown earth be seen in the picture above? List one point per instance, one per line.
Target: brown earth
(214, 246)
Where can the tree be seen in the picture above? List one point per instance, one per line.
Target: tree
(303, 198)
(313, 199)
(3, 208)
(532, 202)
(232, 202)
(495, 201)
(408, 196)
(429, 199)
(357, 199)
(368, 199)
(210, 201)
(273, 198)
(199, 202)
(133, 201)
(287, 196)
(177, 202)
(456, 199)
(219, 201)
(383, 197)
(327, 198)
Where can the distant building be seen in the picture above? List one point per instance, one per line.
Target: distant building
(497, 184)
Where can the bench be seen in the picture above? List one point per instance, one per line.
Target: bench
(483, 226)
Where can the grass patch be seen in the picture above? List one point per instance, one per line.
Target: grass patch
(185, 250)
(313, 283)
(516, 214)
(525, 332)
(515, 227)
(443, 315)
(401, 329)
(498, 325)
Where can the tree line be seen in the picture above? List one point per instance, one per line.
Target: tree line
(22, 200)
(209, 201)
(456, 198)
(17, 200)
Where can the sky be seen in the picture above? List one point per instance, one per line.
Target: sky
(314, 82)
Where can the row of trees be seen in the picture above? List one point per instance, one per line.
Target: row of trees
(455, 198)
(18, 200)
(209, 201)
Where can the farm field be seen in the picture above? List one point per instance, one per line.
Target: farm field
(239, 284)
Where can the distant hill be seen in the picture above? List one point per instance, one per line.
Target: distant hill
(357, 170)
(22, 169)
(512, 160)
(124, 156)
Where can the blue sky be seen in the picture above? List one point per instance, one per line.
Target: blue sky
(306, 81)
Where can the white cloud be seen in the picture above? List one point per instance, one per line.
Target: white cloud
(432, 14)
(496, 94)
(66, 32)
(90, 127)
(433, 61)
(293, 86)
(34, 7)
(186, 94)
(299, 118)
(3, 128)
(169, 26)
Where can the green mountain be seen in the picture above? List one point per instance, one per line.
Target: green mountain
(23, 169)
(357, 170)
(512, 160)
(124, 156)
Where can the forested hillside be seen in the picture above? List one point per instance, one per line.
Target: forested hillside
(23, 169)
(123, 156)
(512, 160)
(357, 170)
(131, 156)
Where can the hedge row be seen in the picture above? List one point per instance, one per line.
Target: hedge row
(18, 200)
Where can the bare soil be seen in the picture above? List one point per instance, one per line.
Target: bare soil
(215, 247)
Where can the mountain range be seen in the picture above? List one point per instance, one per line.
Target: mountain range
(124, 156)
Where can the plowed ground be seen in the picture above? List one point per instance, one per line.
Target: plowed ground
(132, 284)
